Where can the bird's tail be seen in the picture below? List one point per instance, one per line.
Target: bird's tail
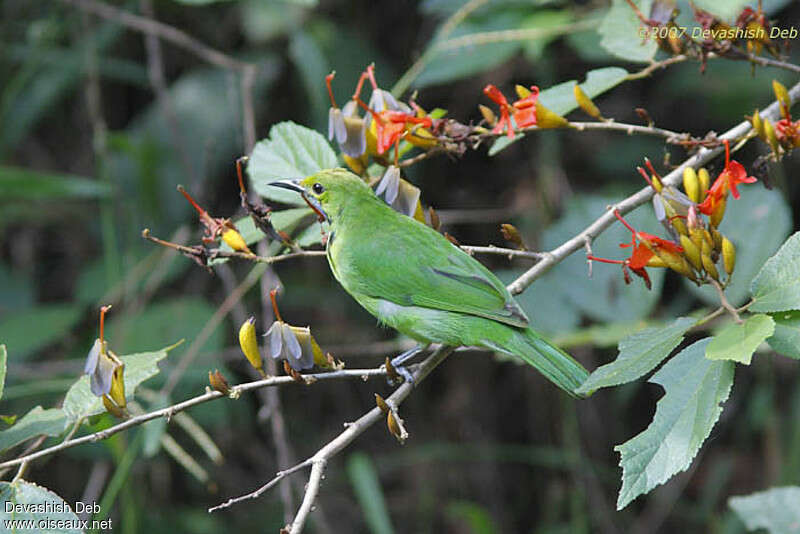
(555, 364)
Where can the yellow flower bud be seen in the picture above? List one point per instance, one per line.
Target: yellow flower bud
(522, 91)
(772, 138)
(117, 392)
(234, 239)
(488, 115)
(717, 237)
(357, 165)
(728, 255)
(691, 252)
(782, 96)
(396, 428)
(112, 408)
(705, 181)
(249, 344)
(758, 125)
(691, 184)
(549, 119)
(586, 103)
(719, 212)
(705, 258)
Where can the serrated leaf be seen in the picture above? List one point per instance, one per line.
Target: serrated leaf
(81, 402)
(291, 152)
(757, 224)
(3, 358)
(738, 342)
(36, 504)
(695, 387)
(620, 32)
(777, 509)
(604, 297)
(17, 183)
(786, 338)
(561, 98)
(29, 330)
(639, 354)
(37, 422)
(777, 285)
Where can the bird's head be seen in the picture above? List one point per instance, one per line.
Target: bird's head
(327, 191)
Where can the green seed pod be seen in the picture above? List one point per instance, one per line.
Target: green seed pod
(728, 255)
(772, 139)
(691, 184)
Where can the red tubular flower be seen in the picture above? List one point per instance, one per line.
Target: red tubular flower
(496, 96)
(733, 174)
(788, 132)
(525, 109)
(644, 247)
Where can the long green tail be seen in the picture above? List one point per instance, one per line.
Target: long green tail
(555, 364)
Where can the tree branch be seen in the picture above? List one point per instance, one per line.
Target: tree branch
(209, 395)
(703, 156)
(333, 447)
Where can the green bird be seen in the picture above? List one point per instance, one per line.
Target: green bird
(416, 281)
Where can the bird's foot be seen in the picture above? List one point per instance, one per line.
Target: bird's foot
(398, 363)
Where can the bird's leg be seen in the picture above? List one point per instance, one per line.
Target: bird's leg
(399, 361)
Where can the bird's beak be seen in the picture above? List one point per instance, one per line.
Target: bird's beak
(291, 185)
(313, 203)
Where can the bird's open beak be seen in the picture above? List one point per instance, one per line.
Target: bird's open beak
(313, 203)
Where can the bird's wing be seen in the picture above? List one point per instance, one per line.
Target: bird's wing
(409, 263)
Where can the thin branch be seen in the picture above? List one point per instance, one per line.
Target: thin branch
(656, 65)
(209, 395)
(724, 300)
(508, 252)
(703, 156)
(333, 447)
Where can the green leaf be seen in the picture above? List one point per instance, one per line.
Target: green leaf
(17, 183)
(604, 297)
(786, 338)
(448, 64)
(3, 358)
(41, 505)
(30, 330)
(695, 387)
(738, 342)
(775, 509)
(777, 285)
(639, 353)
(364, 479)
(620, 32)
(292, 151)
(561, 98)
(37, 422)
(757, 224)
(81, 402)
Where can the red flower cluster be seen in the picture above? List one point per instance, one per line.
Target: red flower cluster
(733, 174)
(523, 110)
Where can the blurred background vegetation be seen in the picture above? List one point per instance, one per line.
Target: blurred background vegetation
(98, 125)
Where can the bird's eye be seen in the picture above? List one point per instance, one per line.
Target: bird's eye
(317, 189)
